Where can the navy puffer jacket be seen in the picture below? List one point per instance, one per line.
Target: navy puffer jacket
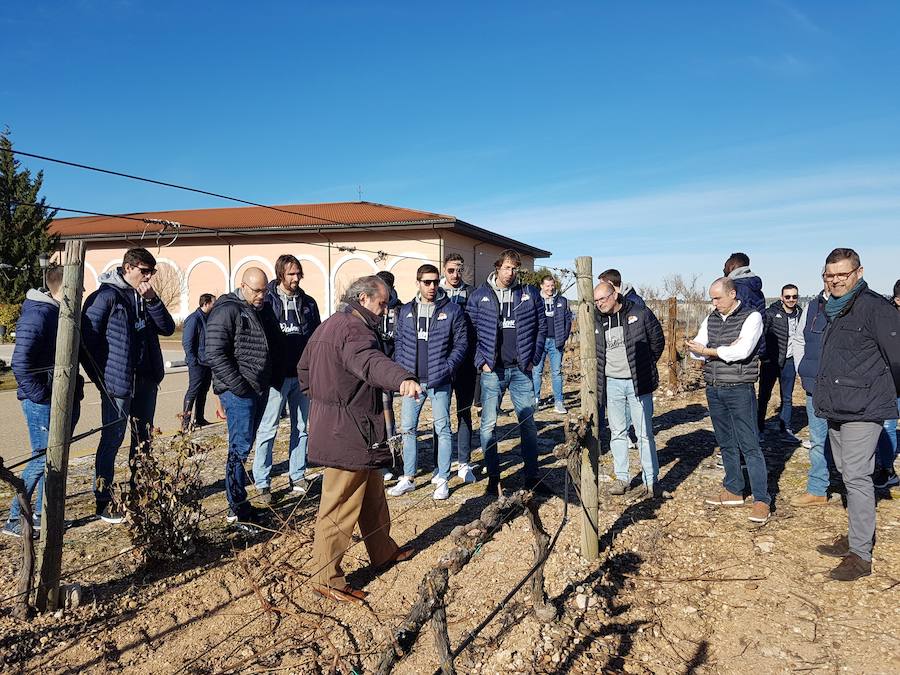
(562, 319)
(111, 341)
(35, 351)
(447, 339)
(859, 374)
(483, 309)
(193, 338)
(813, 333)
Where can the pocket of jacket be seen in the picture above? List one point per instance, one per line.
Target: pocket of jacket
(849, 395)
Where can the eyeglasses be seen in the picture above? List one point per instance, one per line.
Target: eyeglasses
(147, 271)
(428, 282)
(839, 276)
(603, 298)
(790, 297)
(255, 291)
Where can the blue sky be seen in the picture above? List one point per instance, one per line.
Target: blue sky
(656, 136)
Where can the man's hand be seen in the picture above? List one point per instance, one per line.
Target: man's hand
(698, 349)
(145, 290)
(485, 368)
(410, 388)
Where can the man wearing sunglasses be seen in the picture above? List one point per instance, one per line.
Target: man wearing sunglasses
(781, 322)
(120, 327)
(856, 391)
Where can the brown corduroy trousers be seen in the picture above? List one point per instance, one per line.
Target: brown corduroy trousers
(348, 498)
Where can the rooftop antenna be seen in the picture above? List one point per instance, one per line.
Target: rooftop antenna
(359, 192)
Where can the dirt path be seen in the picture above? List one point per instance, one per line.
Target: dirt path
(679, 587)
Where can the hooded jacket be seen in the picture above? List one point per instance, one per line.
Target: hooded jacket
(343, 371)
(749, 291)
(193, 338)
(814, 324)
(388, 322)
(859, 372)
(562, 318)
(628, 293)
(483, 309)
(35, 352)
(447, 342)
(294, 337)
(241, 346)
(776, 331)
(460, 296)
(644, 344)
(120, 333)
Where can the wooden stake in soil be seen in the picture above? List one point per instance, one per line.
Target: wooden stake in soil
(22, 609)
(672, 343)
(64, 376)
(590, 455)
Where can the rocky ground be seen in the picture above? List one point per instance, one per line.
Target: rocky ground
(678, 587)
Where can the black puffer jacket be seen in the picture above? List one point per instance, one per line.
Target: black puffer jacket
(644, 344)
(859, 374)
(775, 331)
(241, 343)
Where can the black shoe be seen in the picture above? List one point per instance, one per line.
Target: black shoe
(851, 568)
(884, 478)
(839, 548)
(250, 517)
(493, 486)
(202, 423)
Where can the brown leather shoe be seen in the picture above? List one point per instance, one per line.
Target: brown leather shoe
(807, 499)
(839, 548)
(725, 498)
(851, 568)
(402, 554)
(345, 594)
(759, 513)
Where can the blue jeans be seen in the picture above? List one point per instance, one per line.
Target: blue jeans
(818, 478)
(298, 410)
(620, 397)
(37, 417)
(244, 415)
(136, 410)
(555, 356)
(886, 451)
(521, 391)
(786, 376)
(733, 413)
(409, 419)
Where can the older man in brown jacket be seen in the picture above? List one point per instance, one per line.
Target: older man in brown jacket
(343, 371)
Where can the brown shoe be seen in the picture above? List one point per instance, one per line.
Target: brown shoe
(759, 513)
(402, 554)
(725, 498)
(345, 594)
(839, 548)
(851, 568)
(807, 499)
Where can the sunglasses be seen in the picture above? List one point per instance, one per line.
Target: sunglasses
(428, 282)
(147, 271)
(790, 297)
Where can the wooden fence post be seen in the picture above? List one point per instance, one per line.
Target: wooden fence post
(590, 455)
(672, 344)
(61, 402)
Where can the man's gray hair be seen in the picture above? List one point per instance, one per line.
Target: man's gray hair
(369, 286)
(727, 284)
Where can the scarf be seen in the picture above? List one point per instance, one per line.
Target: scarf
(834, 306)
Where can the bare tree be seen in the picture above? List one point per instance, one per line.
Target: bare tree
(676, 285)
(169, 283)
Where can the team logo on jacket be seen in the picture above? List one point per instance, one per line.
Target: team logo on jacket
(409, 316)
(632, 318)
(441, 316)
(525, 297)
(485, 299)
(778, 316)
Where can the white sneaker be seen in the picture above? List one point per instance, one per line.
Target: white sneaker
(537, 402)
(560, 408)
(465, 473)
(388, 475)
(807, 444)
(404, 485)
(443, 489)
(434, 477)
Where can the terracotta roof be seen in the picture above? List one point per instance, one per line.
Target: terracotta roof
(292, 216)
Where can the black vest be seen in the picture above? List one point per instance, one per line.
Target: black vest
(719, 332)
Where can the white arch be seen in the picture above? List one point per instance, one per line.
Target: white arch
(112, 263)
(250, 258)
(185, 300)
(410, 254)
(90, 268)
(337, 266)
(327, 286)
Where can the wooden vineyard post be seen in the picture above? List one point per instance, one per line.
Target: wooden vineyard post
(65, 374)
(590, 455)
(672, 343)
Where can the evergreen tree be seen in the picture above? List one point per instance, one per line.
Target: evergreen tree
(23, 228)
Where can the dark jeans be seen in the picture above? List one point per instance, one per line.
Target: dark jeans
(199, 379)
(37, 417)
(136, 411)
(786, 375)
(732, 410)
(244, 414)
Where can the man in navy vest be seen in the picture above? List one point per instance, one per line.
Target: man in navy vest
(510, 332)
(430, 341)
(193, 339)
(559, 324)
(727, 343)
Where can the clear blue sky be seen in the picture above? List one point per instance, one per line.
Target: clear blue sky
(656, 136)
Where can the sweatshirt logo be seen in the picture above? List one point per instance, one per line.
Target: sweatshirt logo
(441, 316)
(525, 297)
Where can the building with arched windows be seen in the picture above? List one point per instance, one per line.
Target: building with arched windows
(206, 250)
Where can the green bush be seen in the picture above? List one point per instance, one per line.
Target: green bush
(9, 314)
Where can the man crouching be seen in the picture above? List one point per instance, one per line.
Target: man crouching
(343, 371)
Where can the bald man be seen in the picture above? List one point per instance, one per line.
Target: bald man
(242, 338)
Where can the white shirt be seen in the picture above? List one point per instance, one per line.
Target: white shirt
(741, 348)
